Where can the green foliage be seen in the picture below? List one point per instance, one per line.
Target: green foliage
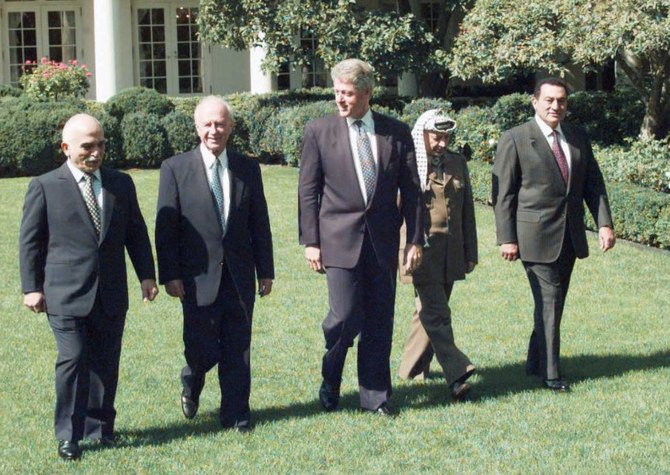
(138, 99)
(7, 90)
(392, 42)
(30, 134)
(181, 133)
(477, 133)
(293, 121)
(500, 37)
(643, 162)
(145, 142)
(413, 110)
(51, 80)
(112, 128)
(512, 110)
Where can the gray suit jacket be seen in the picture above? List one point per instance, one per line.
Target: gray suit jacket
(190, 244)
(60, 253)
(533, 206)
(332, 211)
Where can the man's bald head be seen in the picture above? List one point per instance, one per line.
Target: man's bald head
(83, 142)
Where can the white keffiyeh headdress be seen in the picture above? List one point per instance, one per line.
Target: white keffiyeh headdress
(434, 120)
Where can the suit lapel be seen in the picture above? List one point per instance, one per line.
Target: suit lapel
(108, 201)
(543, 150)
(73, 195)
(575, 147)
(236, 184)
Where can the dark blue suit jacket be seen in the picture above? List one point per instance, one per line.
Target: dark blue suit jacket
(60, 253)
(190, 244)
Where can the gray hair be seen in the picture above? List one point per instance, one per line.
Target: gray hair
(212, 100)
(355, 71)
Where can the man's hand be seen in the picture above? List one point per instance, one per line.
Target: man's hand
(35, 301)
(412, 257)
(470, 266)
(509, 251)
(313, 256)
(264, 287)
(175, 288)
(607, 238)
(149, 290)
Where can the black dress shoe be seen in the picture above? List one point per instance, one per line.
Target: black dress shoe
(557, 385)
(383, 410)
(329, 396)
(189, 407)
(459, 390)
(68, 450)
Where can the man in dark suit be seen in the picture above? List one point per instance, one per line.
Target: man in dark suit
(543, 173)
(212, 236)
(77, 221)
(353, 165)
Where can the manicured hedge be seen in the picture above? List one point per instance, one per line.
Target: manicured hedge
(639, 214)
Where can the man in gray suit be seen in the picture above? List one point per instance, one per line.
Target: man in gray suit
(77, 221)
(543, 173)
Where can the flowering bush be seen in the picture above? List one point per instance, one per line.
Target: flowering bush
(50, 80)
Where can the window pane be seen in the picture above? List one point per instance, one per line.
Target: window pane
(54, 19)
(29, 37)
(183, 50)
(182, 33)
(68, 18)
(157, 16)
(69, 36)
(159, 50)
(146, 70)
(55, 54)
(54, 37)
(69, 52)
(145, 34)
(160, 68)
(145, 51)
(197, 85)
(28, 19)
(143, 16)
(184, 68)
(185, 85)
(160, 84)
(158, 34)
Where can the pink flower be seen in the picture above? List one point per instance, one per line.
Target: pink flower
(88, 75)
(73, 62)
(44, 60)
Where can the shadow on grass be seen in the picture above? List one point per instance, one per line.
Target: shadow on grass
(491, 383)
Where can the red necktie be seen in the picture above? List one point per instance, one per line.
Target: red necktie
(560, 156)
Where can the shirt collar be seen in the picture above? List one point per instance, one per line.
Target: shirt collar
(208, 157)
(367, 120)
(78, 174)
(544, 127)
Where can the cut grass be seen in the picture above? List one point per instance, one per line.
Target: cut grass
(615, 338)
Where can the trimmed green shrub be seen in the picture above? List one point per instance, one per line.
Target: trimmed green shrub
(512, 110)
(413, 110)
(7, 90)
(30, 134)
(145, 142)
(639, 214)
(138, 99)
(181, 133)
(185, 105)
(477, 134)
(643, 162)
(293, 121)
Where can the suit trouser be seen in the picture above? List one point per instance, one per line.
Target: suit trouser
(220, 333)
(361, 301)
(549, 284)
(87, 373)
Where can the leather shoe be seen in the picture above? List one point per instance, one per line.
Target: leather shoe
(189, 407)
(68, 450)
(557, 385)
(459, 390)
(383, 410)
(329, 396)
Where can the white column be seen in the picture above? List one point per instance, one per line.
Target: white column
(261, 82)
(407, 85)
(113, 62)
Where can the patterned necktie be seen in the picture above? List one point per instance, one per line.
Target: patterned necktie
(91, 202)
(367, 160)
(560, 156)
(217, 191)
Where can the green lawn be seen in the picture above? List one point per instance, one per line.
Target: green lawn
(615, 348)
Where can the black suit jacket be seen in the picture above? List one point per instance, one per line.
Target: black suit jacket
(533, 206)
(60, 253)
(332, 212)
(190, 244)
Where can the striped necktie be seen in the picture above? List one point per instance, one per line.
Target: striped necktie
(91, 202)
(366, 159)
(560, 156)
(217, 191)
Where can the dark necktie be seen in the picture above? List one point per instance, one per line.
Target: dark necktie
(367, 160)
(560, 156)
(91, 202)
(217, 191)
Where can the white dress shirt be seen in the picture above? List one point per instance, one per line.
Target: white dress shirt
(208, 158)
(369, 127)
(548, 134)
(81, 183)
